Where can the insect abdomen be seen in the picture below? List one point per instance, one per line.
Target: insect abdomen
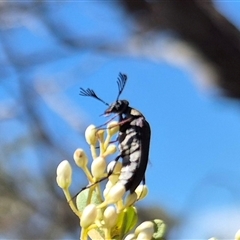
(129, 146)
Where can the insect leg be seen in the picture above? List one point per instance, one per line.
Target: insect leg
(117, 124)
(110, 172)
(124, 121)
(89, 186)
(107, 122)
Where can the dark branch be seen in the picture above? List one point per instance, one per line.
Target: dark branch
(200, 24)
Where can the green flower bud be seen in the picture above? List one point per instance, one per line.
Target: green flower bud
(80, 158)
(110, 216)
(89, 216)
(64, 175)
(145, 231)
(98, 167)
(90, 135)
(141, 191)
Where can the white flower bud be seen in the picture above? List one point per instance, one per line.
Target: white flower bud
(112, 128)
(89, 215)
(115, 193)
(113, 178)
(141, 191)
(237, 235)
(130, 236)
(64, 175)
(107, 188)
(145, 231)
(108, 185)
(111, 149)
(131, 199)
(144, 236)
(114, 167)
(90, 135)
(80, 158)
(100, 134)
(98, 167)
(110, 216)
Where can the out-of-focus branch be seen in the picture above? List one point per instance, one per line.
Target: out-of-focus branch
(199, 23)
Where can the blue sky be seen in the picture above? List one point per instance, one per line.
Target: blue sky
(194, 156)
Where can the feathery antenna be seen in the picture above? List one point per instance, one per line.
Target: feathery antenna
(122, 79)
(90, 93)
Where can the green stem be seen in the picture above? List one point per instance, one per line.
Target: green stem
(84, 235)
(93, 151)
(70, 202)
(88, 174)
(107, 140)
(107, 234)
(99, 195)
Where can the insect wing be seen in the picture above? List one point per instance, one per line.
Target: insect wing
(144, 134)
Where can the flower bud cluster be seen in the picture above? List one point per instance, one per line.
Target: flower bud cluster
(112, 216)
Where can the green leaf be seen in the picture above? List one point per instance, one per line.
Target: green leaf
(83, 197)
(159, 229)
(129, 220)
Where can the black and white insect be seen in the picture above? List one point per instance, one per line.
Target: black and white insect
(134, 137)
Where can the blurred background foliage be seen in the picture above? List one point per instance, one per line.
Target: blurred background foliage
(47, 49)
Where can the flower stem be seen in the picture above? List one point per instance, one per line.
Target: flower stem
(70, 202)
(107, 234)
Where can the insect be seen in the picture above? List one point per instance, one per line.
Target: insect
(134, 137)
